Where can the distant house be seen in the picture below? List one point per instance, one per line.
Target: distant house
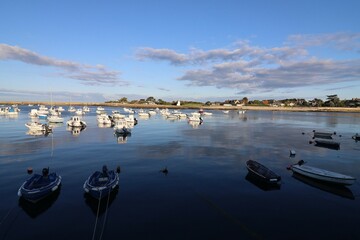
(178, 103)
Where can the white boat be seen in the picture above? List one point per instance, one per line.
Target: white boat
(321, 174)
(33, 113)
(71, 109)
(55, 119)
(61, 109)
(79, 112)
(103, 119)
(121, 127)
(100, 110)
(130, 119)
(13, 110)
(152, 112)
(117, 115)
(43, 110)
(86, 109)
(142, 113)
(226, 111)
(195, 117)
(36, 126)
(75, 121)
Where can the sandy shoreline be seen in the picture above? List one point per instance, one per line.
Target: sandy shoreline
(253, 108)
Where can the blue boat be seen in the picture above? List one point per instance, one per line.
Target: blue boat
(39, 186)
(101, 184)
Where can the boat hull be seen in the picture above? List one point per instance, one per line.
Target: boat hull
(262, 173)
(38, 187)
(99, 186)
(323, 175)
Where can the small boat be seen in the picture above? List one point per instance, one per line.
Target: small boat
(76, 121)
(327, 144)
(121, 127)
(326, 135)
(262, 172)
(55, 119)
(226, 111)
(100, 184)
(39, 186)
(241, 111)
(36, 126)
(321, 174)
(356, 137)
(71, 109)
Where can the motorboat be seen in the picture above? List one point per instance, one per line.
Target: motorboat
(103, 119)
(60, 109)
(43, 110)
(39, 186)
(195, 118)
(121, 127)
(86, 109)
(100, 110)
(71, 109)
(36, 126)
(263, 173)
(117, 115)
(321, 174)
(55, 119)
(76, 121)
(101, 183)
(79, 112)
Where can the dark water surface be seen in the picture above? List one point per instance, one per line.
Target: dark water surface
(206, 193)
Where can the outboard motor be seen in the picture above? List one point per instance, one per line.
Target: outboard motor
(45, 172)
(105, 170)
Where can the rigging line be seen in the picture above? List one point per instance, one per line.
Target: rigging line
(97, 217)
(107, 206)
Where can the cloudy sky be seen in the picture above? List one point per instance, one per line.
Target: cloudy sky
(189, 49)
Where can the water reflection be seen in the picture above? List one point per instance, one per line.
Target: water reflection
(36, 209)
(194, 124)
(122, 138)
(37, 133)
(339, 190)
(56, 125)
(99, 207)
(260, 184)
(104, 125)
(75, 130)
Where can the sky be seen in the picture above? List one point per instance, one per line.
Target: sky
(211, 50)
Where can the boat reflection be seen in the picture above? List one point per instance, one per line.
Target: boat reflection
(104, 125)
(194, 124)
(75, 130)
(261, 184)
(104, 203)
(335, 189)
(36, 209)
(122, 138)
(37, 133)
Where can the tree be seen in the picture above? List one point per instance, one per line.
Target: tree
(151, 99)
(245, 100)
(123, 100)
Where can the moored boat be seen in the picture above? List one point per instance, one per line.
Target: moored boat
(75, 121)
(322, 174)
(262, 172)
(327, 144)
(36, 126)
(100, 184)
(39, 186)
(356, 137)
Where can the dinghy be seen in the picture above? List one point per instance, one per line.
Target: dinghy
(39, 186)
(101, 184)
(263, 173)
(321, 174)
(327, 144)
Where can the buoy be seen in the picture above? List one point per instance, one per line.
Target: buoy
(29, 170)
(302, 133)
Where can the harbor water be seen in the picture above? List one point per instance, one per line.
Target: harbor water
(206, 192)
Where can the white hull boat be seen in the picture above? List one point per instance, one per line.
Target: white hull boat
(323, 175)
(76, 121)
(55, 119)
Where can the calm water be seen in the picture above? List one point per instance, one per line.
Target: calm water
(205, 195)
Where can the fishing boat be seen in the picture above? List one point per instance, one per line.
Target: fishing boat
(262, 172)
(55, 119)
(327, 144)
(75, 121)
(100, 184)
(39, 186)
(321, 174)
(121, 127)
(36, 126)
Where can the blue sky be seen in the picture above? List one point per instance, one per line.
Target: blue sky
(189, 50)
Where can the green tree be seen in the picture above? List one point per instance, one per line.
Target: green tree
(123, 100)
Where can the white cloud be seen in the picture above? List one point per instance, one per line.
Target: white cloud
(87, 74)
(250, 69)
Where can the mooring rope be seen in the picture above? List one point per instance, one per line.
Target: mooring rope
(107, 206)
(97, 217)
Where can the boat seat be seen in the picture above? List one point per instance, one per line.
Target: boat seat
(103, 179)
